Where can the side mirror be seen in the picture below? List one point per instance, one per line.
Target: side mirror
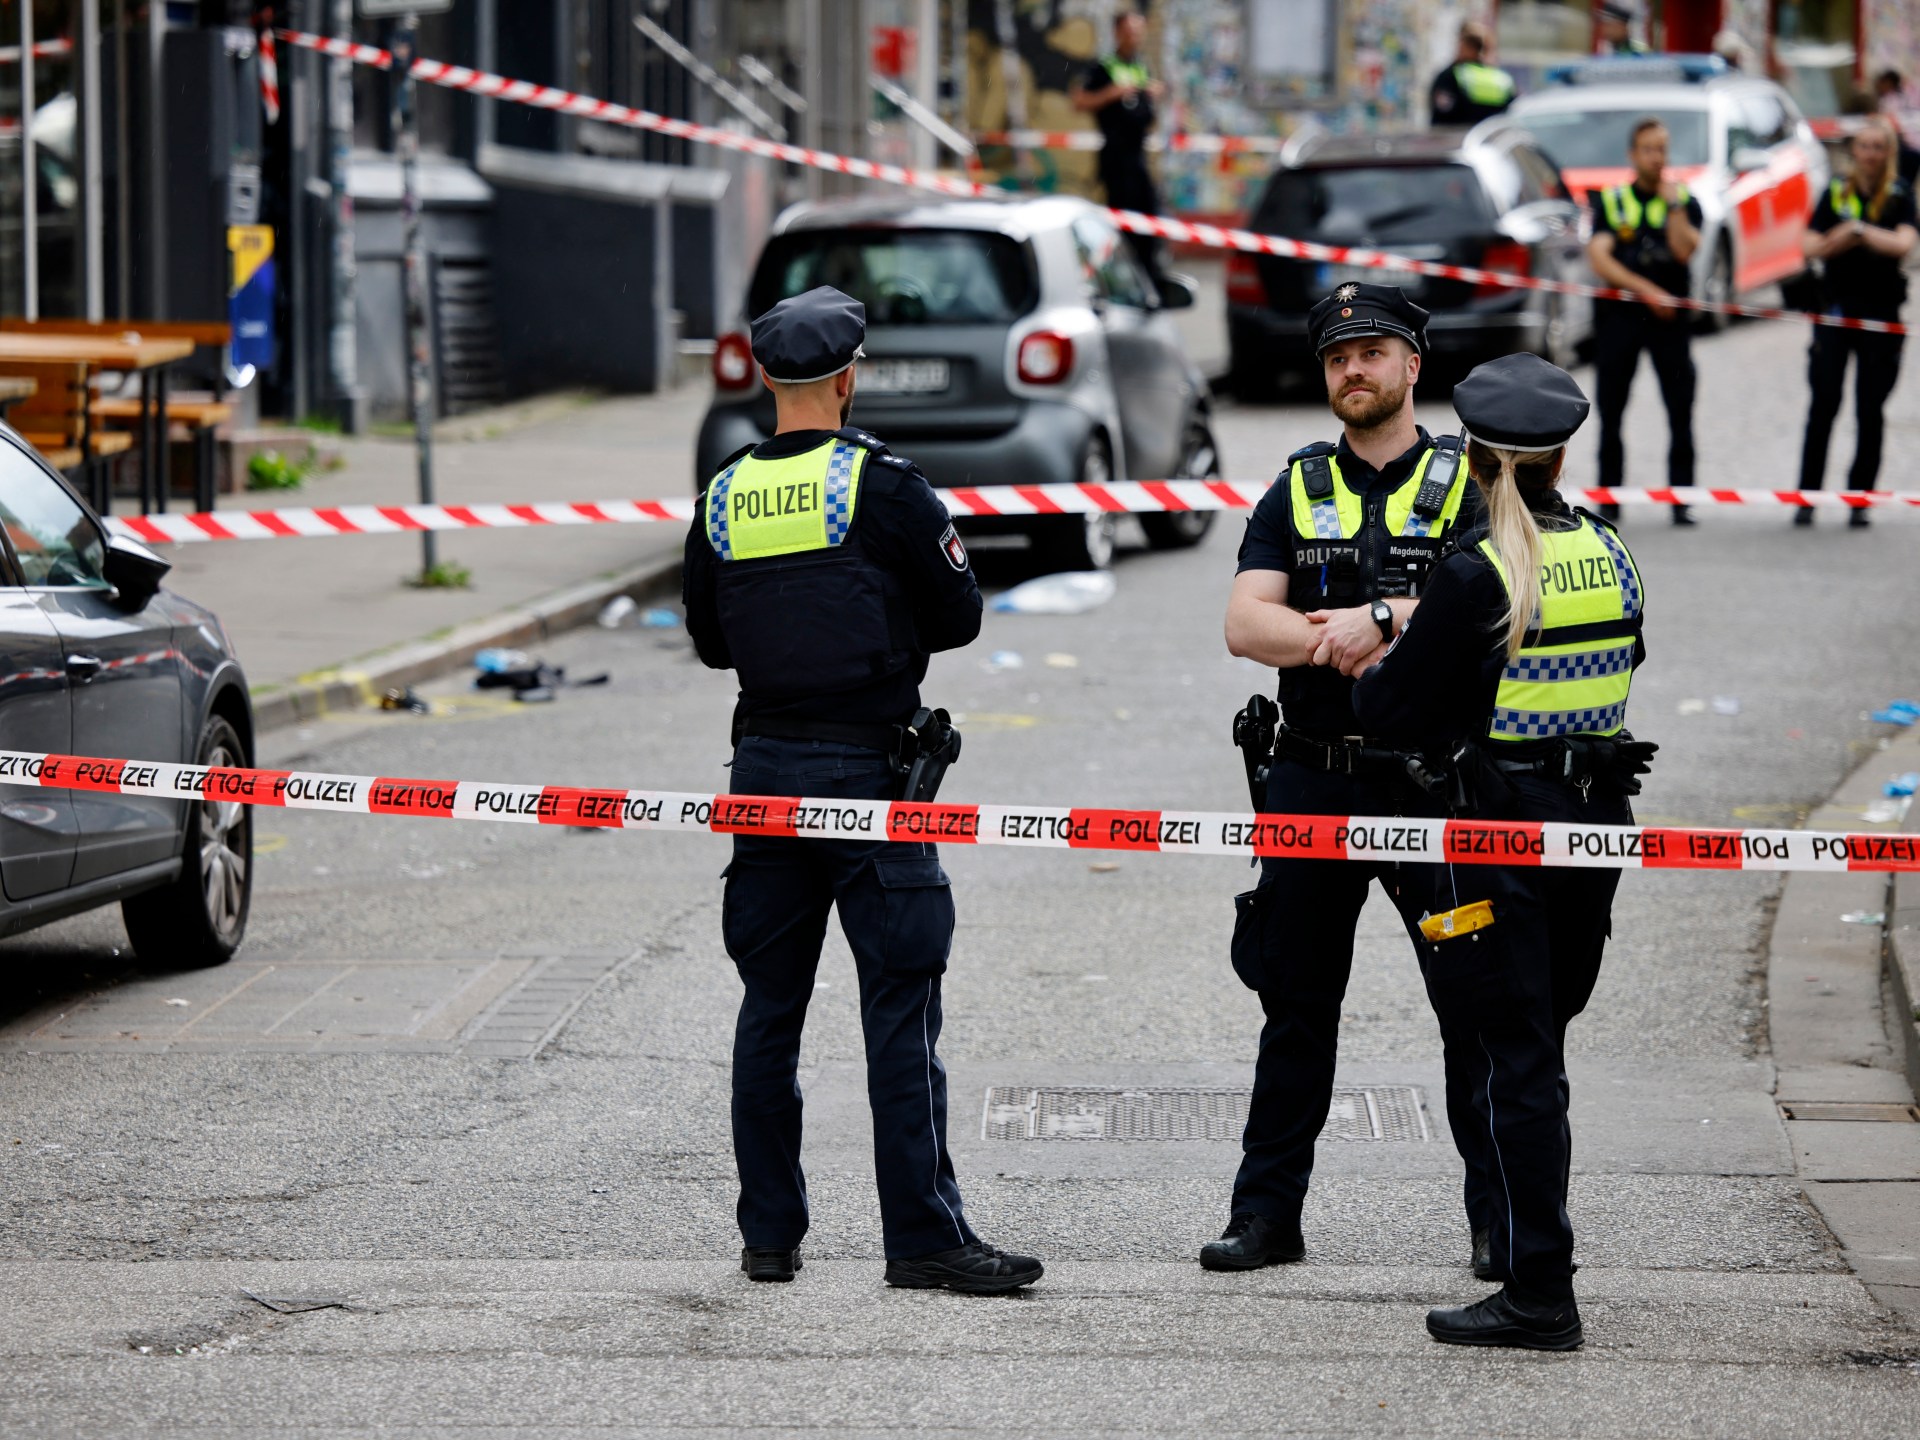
(134, 571)
(1749, 158)
(1178, 292)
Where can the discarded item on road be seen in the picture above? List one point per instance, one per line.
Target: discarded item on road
(1004, 660)
(1885, 812)
(298, 1304)
(1864, 917)
(1071, 592)
(527, 679)
(405, 698)
(1903, 784)
(1692, 707)
(176, 1000)
(494, 659)
(1058, 661)
(617, 612)
(1898, 712)
(659, 618)
(1726, 705)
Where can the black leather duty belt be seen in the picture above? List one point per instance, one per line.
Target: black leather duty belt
(1349, 755)
(887, 739)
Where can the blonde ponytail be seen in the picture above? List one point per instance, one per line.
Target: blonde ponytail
(1512, 528)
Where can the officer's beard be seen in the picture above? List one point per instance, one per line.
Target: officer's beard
(1369, 407)
(846, 409)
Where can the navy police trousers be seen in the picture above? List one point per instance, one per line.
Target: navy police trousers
(896, 910)
(1504, 996)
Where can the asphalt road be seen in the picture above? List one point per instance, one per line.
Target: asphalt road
(467, 1084)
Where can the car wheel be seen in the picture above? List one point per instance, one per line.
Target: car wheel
(1719, 289)
(1081, 542)
(1179, 529)
(199, 919)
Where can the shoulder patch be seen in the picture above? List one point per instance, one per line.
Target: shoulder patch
(952, 547)
(1318, 447)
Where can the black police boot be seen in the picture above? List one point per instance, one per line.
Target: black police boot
(1683, 516)
(1858, 519)
(763, 1264)
(974, 1269)
(1500, 1319)
(1251, 1241)
(1803, 518)
(1483, 1255)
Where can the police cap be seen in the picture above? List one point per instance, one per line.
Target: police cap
(810, 337)
(1520, 402)
(1355, 310)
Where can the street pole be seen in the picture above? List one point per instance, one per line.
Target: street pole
(406, 146)
(341, 345)
(30, 177)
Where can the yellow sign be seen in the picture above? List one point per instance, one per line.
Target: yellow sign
(251, 246)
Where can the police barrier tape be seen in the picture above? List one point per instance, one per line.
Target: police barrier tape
(1189, 832)
(1179, 142)
(567, 102)
(1117, 497)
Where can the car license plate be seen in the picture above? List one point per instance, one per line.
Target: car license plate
(1333, 276)
(903, 377)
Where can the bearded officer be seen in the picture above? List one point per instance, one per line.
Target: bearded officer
(823, 569)
(1334, 560)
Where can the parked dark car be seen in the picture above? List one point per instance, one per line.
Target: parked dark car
(1008, 343)
(1488, 199)
(97, 660)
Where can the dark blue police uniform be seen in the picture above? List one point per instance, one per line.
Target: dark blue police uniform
(824, 570)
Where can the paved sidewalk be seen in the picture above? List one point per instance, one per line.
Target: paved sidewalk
(298, 607)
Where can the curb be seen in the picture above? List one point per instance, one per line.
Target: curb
(1903, 960)
(359, 683)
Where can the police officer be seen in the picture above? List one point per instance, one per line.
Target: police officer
(823, 569)
(1615, 19)
(1471, 89)
(1861, 231)
(1119, 92)
(1335, 556)
(1517, 664)
(1644, 233)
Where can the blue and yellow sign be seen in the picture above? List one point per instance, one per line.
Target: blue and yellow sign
(250, 296)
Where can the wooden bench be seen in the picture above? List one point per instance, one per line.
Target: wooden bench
(200, 417)
(55, 419)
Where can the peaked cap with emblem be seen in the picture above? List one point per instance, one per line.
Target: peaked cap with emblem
(810, 337)
(1355, 310)
(1520, 402)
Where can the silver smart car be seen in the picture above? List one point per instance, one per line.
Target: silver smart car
(1013, 342)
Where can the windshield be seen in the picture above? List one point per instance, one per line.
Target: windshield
(1598, 139)
(1376, 202)
(903, 277)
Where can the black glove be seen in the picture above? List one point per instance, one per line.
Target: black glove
(1630, 759)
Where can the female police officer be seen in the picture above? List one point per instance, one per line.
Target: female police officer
(1517, 665)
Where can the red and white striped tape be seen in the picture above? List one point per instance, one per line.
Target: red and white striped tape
(1178, 142)
(1118, 497)
(269, 76)
(10, 54)
(1179, 832)
(546, 97)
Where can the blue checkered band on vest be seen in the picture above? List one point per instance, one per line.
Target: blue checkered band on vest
(717, 511)
(1630, 596)
(1546, 724)
(1326, 519)
(839, 490)
(1587, 665)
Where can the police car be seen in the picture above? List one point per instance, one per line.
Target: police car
(1739, 144)
(1008, 343)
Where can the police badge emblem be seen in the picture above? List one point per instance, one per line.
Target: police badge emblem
(1347, 293)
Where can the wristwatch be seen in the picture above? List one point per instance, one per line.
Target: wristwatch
(1383, 617)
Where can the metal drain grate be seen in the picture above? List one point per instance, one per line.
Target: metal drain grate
(1372, 1112)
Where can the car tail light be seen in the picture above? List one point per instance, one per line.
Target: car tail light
(1044, 358)
(733, 362)
(1508, 257)
(1244, 286)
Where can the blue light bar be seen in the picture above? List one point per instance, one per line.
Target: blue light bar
(1640, 70)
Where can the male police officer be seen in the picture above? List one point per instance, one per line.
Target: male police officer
(1118, 92)
(1333, 560)
(1471, 89)
(1644, 234)
(1615, 23)
(824, 569)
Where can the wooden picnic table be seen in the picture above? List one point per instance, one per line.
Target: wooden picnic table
(128, 353)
